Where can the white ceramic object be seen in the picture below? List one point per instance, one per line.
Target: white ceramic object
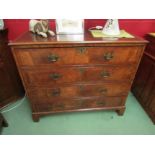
(70, 26)
(111, 27)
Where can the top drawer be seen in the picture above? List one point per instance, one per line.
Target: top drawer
(77, 55)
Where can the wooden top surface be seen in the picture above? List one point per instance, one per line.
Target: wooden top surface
(29, 38)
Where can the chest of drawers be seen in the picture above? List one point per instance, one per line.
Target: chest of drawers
(144, 83)
(66, 75)
(10, 84)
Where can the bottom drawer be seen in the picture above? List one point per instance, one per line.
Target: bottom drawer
(76, 104)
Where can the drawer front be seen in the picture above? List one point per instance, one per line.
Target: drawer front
(79, 55)
(48, 77)
(82, 90)
(76, 104)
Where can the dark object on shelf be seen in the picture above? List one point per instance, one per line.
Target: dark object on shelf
(143, 86)
(63, 74)
(10, 84)
(3, 122)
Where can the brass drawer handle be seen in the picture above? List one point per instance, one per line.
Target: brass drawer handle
(103, 90)
(60, 105)
(81, 87)
(81, 50)
(81, 70)
(108, 56)
(55, 76)
(80, 103)
(53, 58)
(105, 74)
(56, 92)
(101, 103)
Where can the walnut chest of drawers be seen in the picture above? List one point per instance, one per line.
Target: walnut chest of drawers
(69, 73)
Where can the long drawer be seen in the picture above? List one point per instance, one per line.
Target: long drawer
(78, 55)
(81, 90)
(49, 105)
(47, 76)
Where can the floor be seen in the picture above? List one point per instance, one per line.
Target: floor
(135, 121)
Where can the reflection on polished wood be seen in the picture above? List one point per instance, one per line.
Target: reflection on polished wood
(30, 38)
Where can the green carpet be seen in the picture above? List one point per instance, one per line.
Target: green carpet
(135, 121)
